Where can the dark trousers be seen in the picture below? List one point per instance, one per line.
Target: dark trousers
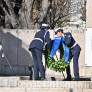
(38, 65)
(75, 66)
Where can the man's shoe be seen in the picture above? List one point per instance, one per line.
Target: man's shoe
(76, 79)
(36, 78)
(42, 79)
(67, 79)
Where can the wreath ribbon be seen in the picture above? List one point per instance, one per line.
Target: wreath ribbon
(55, 47)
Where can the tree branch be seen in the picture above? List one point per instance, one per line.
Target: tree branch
(26, 13)
(44, 10)
(9, 12)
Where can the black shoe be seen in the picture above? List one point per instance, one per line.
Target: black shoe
(36, 78)
(67, 79)
(76, 79)
(42, 79)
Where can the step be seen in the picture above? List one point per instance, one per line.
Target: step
(18, 82)
(17, 89)
(8, 89)
(9, 81)
(56, 84)
(32, 90)
(80, 90)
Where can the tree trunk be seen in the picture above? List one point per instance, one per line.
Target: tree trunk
(43, 10)
(9, 12)
(26, 13)
(7, 22)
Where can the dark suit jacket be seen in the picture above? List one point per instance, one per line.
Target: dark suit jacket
(37, 43)
(69, 42)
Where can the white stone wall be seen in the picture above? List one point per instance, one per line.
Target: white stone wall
(16, 43)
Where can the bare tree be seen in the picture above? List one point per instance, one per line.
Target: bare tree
(32, 13)
(9, 12)
(24, 20)
(26, 13)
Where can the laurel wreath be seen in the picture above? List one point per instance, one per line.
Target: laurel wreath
(57, 66)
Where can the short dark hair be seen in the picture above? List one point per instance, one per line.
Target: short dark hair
(60, 30)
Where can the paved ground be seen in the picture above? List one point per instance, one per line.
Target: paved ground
(23, 84)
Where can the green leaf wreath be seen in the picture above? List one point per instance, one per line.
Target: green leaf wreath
(57, 66)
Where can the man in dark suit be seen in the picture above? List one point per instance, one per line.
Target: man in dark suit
(36, 48)
(74, 48)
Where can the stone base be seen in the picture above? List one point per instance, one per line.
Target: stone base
(18, 84)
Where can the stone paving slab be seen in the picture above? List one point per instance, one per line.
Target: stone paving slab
(7, 89)
(9, 81)
(14, 82)
(48, 90)
(87, 90)
(56, 84)
(17, 89)
(80, 90)
(32, 90)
